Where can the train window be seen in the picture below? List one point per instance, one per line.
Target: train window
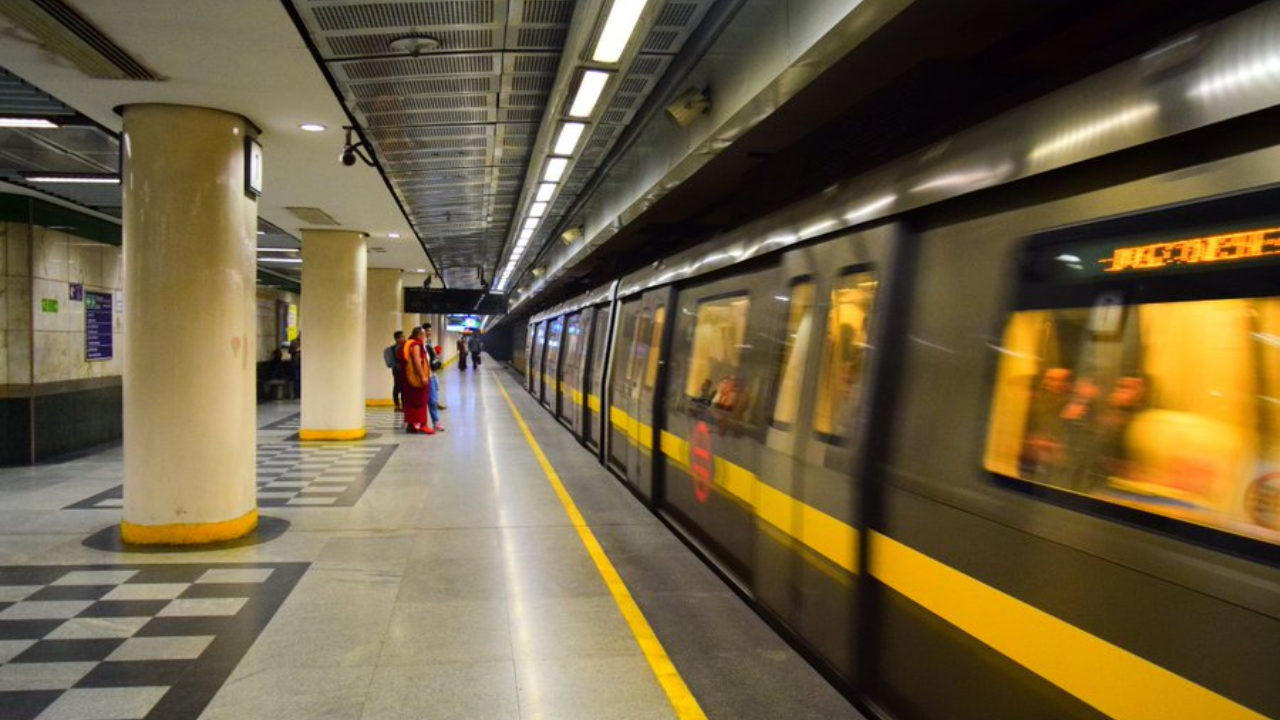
(655, 343)
(843, 356)
(795, 349)
(718, 331)
(1171, 408)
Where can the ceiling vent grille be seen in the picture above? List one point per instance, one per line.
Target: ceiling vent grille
(417, 14)
(676, 14)
(313, 215)
(541, 38)
(481, 64)
(548, 12)
(66, 33)
(368, 91)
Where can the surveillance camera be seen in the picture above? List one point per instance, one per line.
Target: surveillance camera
(348, 156)
(687, 106)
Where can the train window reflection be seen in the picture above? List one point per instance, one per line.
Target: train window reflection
(799, 334)
(843, 356)
(1171, 408)
(718, 333)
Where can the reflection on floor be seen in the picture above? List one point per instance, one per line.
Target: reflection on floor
(442, 580)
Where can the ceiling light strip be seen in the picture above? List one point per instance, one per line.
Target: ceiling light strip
(618, 29)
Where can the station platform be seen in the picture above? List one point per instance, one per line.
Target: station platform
(417, 577)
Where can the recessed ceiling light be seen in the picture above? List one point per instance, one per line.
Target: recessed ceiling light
(312, 127)
(589, 90)
(394, 236)
(27, 122)
(618, 29)
(277, 250)
(545, 191)
(84, 179)
(555, 169)
(567, 141)
(262, 232)
(292, 261)
(421, 270)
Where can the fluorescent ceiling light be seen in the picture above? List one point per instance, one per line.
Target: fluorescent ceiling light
(589, 91)
(274, 250)
(570, 134)
(78, 179)
(531, 224)
(294, 261)
(522, 243)
(421, 270)
(312, 127)
(618, 29)
(21, 122)
(526, 234)
(262, 232)
(537, 210)
(545, 191)
(555, 169)
(394, 236)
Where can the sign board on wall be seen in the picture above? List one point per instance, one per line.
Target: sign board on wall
(98, 326)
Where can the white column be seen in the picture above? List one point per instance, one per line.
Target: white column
(190, 317)
(382, 321)
(333, 334)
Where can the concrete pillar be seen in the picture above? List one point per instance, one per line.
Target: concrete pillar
(190, 317)
(382, 321)
(333, 334)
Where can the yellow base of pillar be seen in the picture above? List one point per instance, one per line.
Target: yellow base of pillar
(189, 534)
(379, 403)
(356, 434)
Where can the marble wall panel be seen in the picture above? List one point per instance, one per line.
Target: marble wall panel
(50, 254)
(53, 359)
(18, 349)
(18, 303)
(17, 250)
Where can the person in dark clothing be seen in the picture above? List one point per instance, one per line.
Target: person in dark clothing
(475, 345)
(394, 357)
(462, 352)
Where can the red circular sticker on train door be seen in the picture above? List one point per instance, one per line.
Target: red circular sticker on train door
(702, 462)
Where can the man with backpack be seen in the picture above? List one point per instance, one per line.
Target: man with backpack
(393, 356)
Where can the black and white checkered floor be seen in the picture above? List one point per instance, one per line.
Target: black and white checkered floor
(375, 420)
(292, 475)
(129, 641)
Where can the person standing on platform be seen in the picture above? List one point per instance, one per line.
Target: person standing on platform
(433, 359)
(417, 376)
(462, 352)
(295, 361)
(393, 356)
(475, 345)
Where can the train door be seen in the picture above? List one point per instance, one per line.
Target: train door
(807, 555)
(555, 336)
(597, 360)
(712, 415)
(539, 355)
(572, 353)
(623, 377)
(648, 354)
(530, 342)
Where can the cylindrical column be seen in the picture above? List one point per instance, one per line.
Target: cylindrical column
(382, 321)
(189, 372)
(333, 341)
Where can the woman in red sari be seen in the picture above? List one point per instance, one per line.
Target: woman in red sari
(417, 374)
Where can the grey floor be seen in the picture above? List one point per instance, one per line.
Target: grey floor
(455, 586)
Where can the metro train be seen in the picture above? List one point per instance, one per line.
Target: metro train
(994, 431)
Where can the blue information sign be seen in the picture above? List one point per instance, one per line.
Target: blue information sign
(97, 326)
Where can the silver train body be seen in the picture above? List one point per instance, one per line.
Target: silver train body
(990, 432)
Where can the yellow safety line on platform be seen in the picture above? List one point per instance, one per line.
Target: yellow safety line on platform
(682, 700)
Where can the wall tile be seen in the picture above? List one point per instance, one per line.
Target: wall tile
(17, 250)
(112, 268)
(4, 248)
(19, 348)
(4, 302)
(84, 261)
(19, 304)
(53, 357)
(50, 254)
(4, 357)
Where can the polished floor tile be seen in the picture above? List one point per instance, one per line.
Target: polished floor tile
(421, 577)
